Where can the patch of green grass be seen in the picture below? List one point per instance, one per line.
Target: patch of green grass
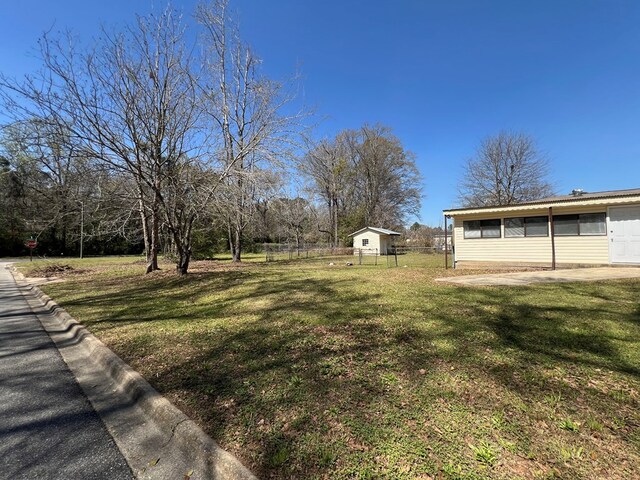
(310, 370)
(485, 454)
(553, 399)
(571, 453)
(508, 446)
(498, 420)
(452, 471)
(594, 424)
(569, 425)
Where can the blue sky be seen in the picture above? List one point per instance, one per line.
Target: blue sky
(442, 74)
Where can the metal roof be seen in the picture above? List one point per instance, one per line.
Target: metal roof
(556, 199)
(383, 231)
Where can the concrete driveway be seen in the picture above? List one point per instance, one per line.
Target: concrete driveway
(547, 276)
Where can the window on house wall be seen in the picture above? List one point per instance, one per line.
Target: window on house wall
(536, 226)
(593, 224)
(481, 228)
(514, 227)
(584, 224)
(365, 242)
(565, 225)
(526, 227)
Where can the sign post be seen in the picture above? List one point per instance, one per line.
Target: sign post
(31, 244)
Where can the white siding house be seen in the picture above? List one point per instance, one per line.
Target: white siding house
(600, 228)
(373, 240)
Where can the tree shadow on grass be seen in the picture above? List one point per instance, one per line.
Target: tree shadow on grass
(316, 363)
(305, 353)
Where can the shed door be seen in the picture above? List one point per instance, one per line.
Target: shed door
(624, 234)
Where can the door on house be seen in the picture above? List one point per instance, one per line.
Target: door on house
(624, 234)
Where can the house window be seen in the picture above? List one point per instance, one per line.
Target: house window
(584, 224)
(365, 242)
(593, 224)
(564, 225)
(514, 227)
(526, 227)
(481, 228)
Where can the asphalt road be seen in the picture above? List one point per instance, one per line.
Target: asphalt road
(48, 428)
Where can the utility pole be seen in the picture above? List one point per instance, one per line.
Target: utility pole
(81, 226)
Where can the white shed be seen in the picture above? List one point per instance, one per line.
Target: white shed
(373, 241)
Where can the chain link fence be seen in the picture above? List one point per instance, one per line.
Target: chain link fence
(278, 252)
(396, 256)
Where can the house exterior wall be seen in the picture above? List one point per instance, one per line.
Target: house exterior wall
(588, 250)
(374, 241)
(378, 243)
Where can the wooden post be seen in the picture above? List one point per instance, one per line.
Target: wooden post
(553, 239)
(446, 256)
(81, 229)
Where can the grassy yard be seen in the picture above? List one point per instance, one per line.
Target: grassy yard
(305, 370)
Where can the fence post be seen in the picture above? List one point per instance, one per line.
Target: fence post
(395, 254)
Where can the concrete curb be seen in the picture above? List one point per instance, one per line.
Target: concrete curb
(156, 438)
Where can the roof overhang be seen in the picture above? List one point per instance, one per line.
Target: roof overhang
(572, 202)
(381, 231)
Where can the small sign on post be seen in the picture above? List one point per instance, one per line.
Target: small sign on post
(31, 244)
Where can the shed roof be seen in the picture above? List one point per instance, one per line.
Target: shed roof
(383, 231)
(584, 197)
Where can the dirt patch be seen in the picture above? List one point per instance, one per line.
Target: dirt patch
(56, 270)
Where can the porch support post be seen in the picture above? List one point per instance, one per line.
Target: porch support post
(446, 256)
(553, 239)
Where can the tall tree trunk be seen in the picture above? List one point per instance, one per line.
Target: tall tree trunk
(184, 257)
(182, 267)
(237, 244)
(182, 246)
(335, 222)
(63, 238)
(152, 262)
(145, 232)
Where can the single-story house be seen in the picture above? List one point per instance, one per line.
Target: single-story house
(373, 240)
(580, 229)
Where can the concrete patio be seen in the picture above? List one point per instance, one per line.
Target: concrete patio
(547, 276)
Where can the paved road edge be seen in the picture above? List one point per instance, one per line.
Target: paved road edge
(163, 444)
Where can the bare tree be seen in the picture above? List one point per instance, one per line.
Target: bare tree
(246, 110)
(508, 168)
(363, 177)
(56, 176)
(389, 181)
(294, 217)
(327, 167)
(132, 102)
